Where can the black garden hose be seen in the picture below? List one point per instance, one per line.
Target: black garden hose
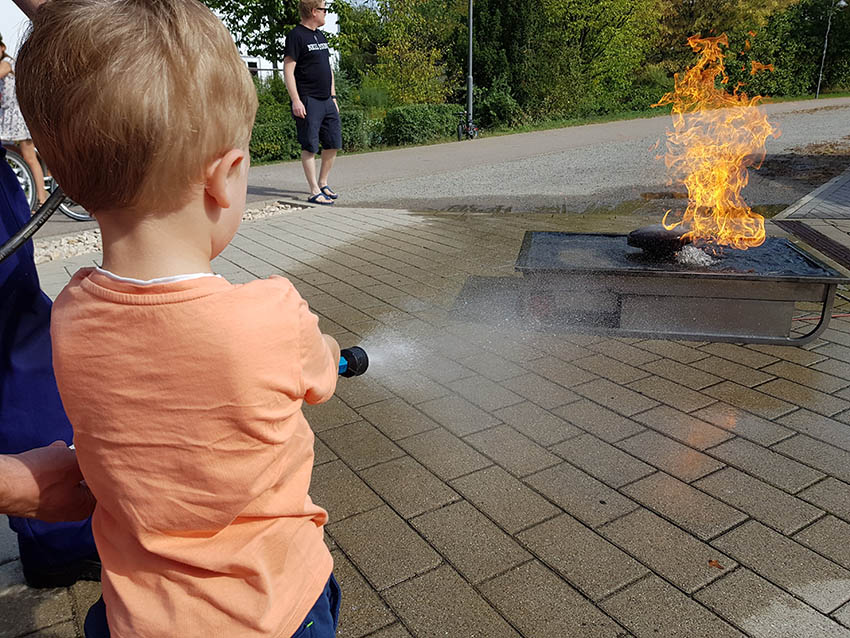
(44, 212)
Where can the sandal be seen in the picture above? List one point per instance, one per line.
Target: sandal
(328, 191)
(315, 200)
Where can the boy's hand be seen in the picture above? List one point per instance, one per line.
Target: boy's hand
(334, 346)
(298, 109)
(46, 483)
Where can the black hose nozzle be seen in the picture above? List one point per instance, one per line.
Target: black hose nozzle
(353, 361)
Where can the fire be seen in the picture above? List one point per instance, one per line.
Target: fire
(716, 136)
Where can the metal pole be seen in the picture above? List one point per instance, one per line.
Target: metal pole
(825, 40)
(469, 77)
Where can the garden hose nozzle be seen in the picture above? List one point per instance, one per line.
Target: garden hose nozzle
(353, 361)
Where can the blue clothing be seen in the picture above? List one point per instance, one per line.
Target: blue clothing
(31, 412)
(323, 618)
(321, 622)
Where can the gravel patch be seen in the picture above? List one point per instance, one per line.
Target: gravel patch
(88, 241)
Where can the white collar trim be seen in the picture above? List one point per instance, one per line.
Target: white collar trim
(158, 280)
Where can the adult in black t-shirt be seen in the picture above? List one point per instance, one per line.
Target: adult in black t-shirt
(310, 82)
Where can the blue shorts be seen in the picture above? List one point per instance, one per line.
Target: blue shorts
(321, 622)
(321, 126)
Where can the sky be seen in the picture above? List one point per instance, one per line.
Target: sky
(12, 23)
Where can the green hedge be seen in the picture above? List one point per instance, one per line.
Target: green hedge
(355, 131)
(274, 142)
(273, 112)
(420, 123)
(274, 137)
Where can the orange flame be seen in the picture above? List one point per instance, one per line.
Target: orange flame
(758, 66)
(716, 136)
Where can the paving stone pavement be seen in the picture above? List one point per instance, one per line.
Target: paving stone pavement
(822, 219)
(488, 480)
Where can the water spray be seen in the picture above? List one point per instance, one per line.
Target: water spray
(353, 362)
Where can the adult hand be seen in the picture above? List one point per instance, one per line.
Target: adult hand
(298, 109)
(29, 6)
(45, 483)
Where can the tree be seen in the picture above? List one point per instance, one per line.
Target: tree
(584, 56)
(792, 41)
(360, 35)
(258, 25)
(409, 62)
(680, 19)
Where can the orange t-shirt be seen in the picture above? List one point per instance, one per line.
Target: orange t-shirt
(185, 399)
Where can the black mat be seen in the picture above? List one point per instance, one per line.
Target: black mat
(606, 253)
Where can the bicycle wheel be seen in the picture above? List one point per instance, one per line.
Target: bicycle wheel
(24, 175)
(69, 207)
(73, 210)
(459, 132)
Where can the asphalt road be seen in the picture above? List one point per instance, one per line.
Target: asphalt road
(569, 170)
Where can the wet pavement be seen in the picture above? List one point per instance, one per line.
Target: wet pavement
(489, 479)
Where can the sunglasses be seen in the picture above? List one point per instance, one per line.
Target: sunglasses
(325, 9)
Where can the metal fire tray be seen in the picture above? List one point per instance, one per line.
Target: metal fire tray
(598, 283)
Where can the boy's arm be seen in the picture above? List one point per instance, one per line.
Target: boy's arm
(334, 346)
(319, 358)
(298, 109)
(29, 6)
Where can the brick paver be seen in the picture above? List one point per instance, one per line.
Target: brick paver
(489, 480)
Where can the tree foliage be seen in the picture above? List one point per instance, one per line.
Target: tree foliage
(360, 35)
(791, 41)
(678, 20)
(258, 25)
(564, 58)
(409, 61)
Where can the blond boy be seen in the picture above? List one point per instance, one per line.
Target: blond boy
(185, 391)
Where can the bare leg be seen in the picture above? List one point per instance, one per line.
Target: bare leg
(328, 157)
(308, 161)
(28, 153)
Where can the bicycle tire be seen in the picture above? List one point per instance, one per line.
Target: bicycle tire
(459, 132)
(24, 174)
(71, 209)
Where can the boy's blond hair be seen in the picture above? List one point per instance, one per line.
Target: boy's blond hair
(129, 100)
(305, 8)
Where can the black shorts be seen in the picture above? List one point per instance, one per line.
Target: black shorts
(320, 126)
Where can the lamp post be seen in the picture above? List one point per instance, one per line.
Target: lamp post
(469, 76)
(840, 4)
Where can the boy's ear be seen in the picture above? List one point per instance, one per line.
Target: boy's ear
(220, 173)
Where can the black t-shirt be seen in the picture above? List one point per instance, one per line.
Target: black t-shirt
(312, 58)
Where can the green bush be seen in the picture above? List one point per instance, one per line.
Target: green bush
(649, 86)
(375, 130)
(275, 141)
(420, 123)
(277, 87)
(355, 134)
(271, 112)
(496, 107)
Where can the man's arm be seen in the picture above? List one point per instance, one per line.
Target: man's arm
(29, 6)
(44, 483)
(333, 89)
(298, 109)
